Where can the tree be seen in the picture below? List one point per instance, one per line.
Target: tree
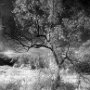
(55, 24)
